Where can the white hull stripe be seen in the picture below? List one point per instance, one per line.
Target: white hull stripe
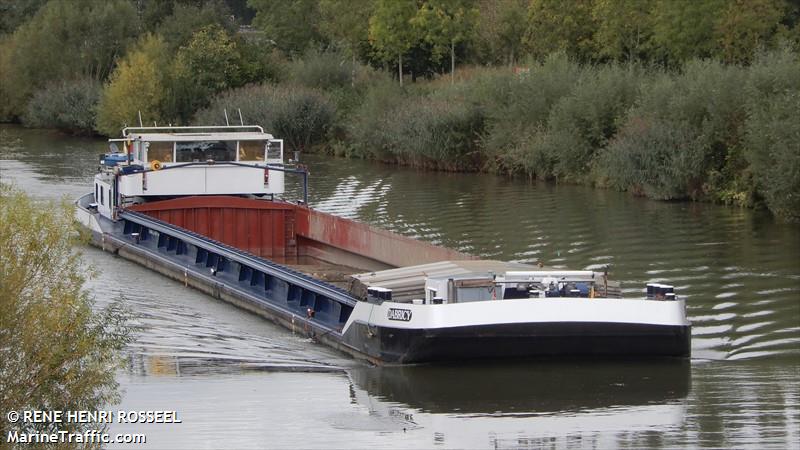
(410, 316)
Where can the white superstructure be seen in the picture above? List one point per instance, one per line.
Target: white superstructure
(157, 162)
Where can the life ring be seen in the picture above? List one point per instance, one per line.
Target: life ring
(155, 165)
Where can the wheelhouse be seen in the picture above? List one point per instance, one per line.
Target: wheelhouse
(150, 163)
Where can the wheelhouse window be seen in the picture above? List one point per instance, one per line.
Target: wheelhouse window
(252, 150)
(160, 151)
(275, 149)
(203, 151)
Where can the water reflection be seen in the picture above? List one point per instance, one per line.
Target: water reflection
(526, 389)
(528, 405)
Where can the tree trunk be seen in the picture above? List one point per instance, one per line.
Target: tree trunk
(452, 62)
(400, 68)
(353, 73)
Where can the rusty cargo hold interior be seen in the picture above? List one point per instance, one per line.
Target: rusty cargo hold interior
(326, 246)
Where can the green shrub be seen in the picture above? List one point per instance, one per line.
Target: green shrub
(322, 70)
(773, 149)
(582, 123)
(69, 106)
(542, 153)
(435, 131)
(655, 158)
(700, 112)
(773, 131)
(773, 73)
(367, 124)
(518, 104)
(343, 79)
(258, 65)
(300, 115)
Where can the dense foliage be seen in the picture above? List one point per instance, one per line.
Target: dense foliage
(68, 105)
(301, 116)
(663, 98)
(56, 353)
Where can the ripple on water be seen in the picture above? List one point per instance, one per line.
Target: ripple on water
(724, 305)
(752, 326)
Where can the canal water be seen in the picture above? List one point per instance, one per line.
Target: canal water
(238, 381)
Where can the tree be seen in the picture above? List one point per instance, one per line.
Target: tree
(66, 105)
(624, 28)
(555, 25)
(178, 27)
(14, 13)
(56, 353)
(683, 29)
(747, 25)
(511, 28)
(136, 86)
(300, 115)
(208, 64)
(293, 25)
(10, 102)
(346, 23)
(65, 40)
(391, 32)
(772, 132)
(443, 24)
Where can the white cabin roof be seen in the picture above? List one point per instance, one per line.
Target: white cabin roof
(193, 137)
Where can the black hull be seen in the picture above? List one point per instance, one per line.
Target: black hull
(528, 340)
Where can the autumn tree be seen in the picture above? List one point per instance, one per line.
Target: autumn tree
(391, 31)
(57, 352)
(747, 25)
(137, 85)
(445, 23)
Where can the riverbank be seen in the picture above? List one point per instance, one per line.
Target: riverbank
(703, 113)
(710, 132)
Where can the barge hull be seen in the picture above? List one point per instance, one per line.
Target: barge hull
(209, 285)
(428, 333)
(525, 340)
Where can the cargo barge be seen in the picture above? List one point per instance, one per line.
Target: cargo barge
(202, 205)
